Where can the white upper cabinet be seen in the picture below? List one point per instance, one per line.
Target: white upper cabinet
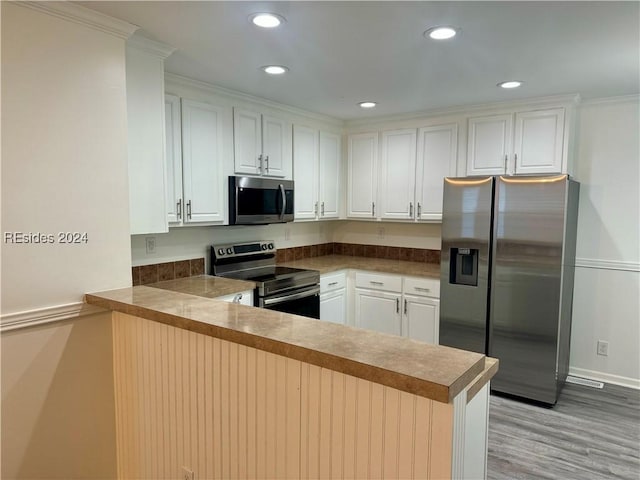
(145, 114)
(523, 142)
(305, 172)
(538, 144)
(195, 137)
(262, 144)
(436, 159)
(316, 172)
(397, 175)
(330, 166)
(362, 175)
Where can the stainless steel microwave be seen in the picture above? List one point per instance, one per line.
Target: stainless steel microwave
(259, 201)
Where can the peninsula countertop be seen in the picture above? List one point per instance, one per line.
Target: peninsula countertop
(436, 372)
(332, 263)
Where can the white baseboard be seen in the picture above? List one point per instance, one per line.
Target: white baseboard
(41, 316)
(605, 377)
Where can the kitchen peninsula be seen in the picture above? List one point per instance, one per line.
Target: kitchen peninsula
(230, 391)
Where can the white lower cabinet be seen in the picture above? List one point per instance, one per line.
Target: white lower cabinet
(333, 298)
(406, 306)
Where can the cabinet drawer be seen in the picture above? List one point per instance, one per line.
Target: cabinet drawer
(332, 281)
(425, 287)
(374, 281)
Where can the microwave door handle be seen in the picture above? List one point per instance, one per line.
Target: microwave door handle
(284, 201)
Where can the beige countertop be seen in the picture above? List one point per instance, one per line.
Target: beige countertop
(331, 263)
(205, 286)
(431, 371)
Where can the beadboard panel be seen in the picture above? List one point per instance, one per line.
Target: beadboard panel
(229, 411)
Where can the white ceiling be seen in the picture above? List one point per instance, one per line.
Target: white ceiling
(341, 53)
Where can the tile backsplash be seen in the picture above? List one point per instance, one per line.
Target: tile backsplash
(158, 272)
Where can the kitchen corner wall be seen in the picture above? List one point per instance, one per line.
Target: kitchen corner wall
(607, 283)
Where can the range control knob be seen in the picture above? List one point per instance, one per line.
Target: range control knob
(264, 246)
(271, 246)
(229, 250)
(221, 251)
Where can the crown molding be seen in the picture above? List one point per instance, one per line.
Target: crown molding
(572, 99)
(41, 316)
(216, 90)
(611, 100)
(83, 16)
(153, 47)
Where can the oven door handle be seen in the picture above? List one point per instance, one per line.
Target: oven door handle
(293, 296)
(284, 201)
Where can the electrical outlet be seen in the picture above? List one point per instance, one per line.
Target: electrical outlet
(151, 244)
(381, 232)
(188, 474)
(603, 348)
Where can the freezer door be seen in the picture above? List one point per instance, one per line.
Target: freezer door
(464, 275)
(526, 284)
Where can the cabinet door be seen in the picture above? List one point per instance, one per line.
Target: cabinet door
(397, 175)
(421, 318)
(333, 306)
(539, 138)
(305, 172)
(436, 159)
(202, 162)
(379, 311)
(145, 114)
(362, 167)
(247, 141)
(329, 186)
(173, 156)
(276, 151)
(489, 144)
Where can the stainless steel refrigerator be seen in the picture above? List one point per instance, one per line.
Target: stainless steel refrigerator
(507, 270)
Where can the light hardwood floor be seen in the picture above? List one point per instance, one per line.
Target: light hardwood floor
(589, 434)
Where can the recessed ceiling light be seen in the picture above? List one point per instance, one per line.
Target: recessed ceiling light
(274, 69)
(510, 84)
(367, 104)
(266, 20)
(441, 32)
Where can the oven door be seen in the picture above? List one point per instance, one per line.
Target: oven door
(305, 302)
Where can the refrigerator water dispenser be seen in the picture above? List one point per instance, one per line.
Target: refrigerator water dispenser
(464, 266)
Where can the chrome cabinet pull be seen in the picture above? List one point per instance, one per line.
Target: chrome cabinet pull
(266, 160)
(322, 209)
(373, 209)
(405, 306)
(419, 210)
(410, 209)
(315, 210)
(515, 163)
(421, 289)
(179, 209)
(189, 210)
(331, 284)
(506, 159)
(397, 305)
(375, 283)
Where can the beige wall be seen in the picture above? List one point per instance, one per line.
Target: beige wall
(64, 169)
(58, 418)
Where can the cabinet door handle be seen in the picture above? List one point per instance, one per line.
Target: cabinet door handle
(322, 209)
(315, 210)
(515, 163)
(397, 305)
(421, 289)
(266, 160)
(261, 167)
(405, 306)
(375, 283)
(331, 284)
(410, 209)
(506, 159)
(373, 209)
(419, 210)
(189, 210)
(179, 209)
